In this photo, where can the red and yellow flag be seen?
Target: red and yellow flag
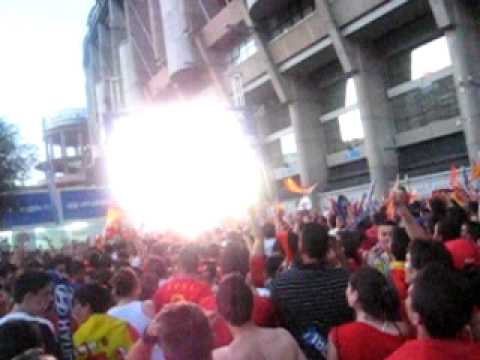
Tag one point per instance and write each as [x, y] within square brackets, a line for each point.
[476, 171]
[293, 187]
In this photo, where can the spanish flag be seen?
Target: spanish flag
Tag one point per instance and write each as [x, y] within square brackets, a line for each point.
[293, 187]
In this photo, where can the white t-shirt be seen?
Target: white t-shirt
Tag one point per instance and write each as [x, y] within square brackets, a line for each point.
[133, 314]
[268, 246]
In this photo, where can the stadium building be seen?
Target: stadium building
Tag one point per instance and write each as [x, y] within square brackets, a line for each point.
[336, 92]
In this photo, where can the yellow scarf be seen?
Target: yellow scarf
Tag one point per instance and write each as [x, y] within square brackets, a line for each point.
[102, 337]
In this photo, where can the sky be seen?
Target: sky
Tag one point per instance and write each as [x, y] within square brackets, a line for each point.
[41, 61]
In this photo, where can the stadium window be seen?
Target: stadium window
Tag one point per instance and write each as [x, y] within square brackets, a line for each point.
[350, 123]
[430, 58]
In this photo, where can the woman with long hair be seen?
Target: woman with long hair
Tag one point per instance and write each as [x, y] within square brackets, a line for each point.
[376, 331]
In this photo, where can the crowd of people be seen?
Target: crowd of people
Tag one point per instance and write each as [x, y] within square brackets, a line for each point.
[383, 285]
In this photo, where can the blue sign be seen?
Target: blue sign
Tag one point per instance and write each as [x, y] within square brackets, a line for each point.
[84, 204]
[29, 209]
[36, 208]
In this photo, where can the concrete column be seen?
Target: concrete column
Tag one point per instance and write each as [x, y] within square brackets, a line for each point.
[309, 136]
[63, 148]
[377, 119]
[462, 29]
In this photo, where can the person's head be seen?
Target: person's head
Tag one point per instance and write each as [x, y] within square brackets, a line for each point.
[385, 235]
[473, 209]
[423, 252]
[17, 337]
[62, 265]
[33, 291]
[235, 258]
[126, 284]
[156, 266]
[184, 332]
[272, 265]
[268, 230]
[314, 241]
[369, 291]
[90, 299]
[399, 245]
[235, 300]
[447, 229]
[350, 242]
[189, 260]
[471, 231]
[439, 302]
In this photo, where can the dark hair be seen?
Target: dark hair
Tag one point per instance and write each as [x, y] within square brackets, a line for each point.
[125, 282]
[350, 241]
[18, 336]
[292, 242]
[379, 217]
[235, 258]
[272, 264]
[473, 207]
[441, 297]
[189, 259]
[473, 229]
[62, 260]
[185, 333]
[424, 252]
[376, 294]
[268, 230]
[235, 300]
[449, 229]
[29, 282]
[400, 241]
[96, 296]
[315, 240]
[149, 284]
[156, 266]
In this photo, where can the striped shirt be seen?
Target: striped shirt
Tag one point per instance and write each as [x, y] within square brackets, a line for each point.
[311, 298]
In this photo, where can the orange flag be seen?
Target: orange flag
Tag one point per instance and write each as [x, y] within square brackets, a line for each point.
[476, 171]
[293, 187]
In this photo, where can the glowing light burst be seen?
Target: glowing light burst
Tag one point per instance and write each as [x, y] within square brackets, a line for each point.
[182, 167]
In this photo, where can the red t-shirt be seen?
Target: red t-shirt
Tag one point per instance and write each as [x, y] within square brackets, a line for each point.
[257, 270]
[181, 288]
[464, 252]
[360, 341]
[431, 349]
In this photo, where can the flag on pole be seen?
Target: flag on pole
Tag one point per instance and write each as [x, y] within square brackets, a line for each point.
[293, 187]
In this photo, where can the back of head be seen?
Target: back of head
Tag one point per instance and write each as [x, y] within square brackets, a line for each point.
[268, 230]
[125, 283]
[315, 241]
[377, 296]
[235, 258]
[189, 259]
[449, 228]
[442, 299]
[235, 300]
[350, 241]
[185, 333]
[423, 252]
[29, 282]
[155, 266]
[18, 336]
[400, 241]
[96, 296]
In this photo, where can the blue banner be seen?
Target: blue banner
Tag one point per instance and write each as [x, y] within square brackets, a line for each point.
[84, 204]
[36, 208]
[29, 209]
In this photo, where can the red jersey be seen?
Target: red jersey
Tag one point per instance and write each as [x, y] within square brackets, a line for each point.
[257, 270]
[464, 252]
[360, 341]
[429, 349]
[181, 288]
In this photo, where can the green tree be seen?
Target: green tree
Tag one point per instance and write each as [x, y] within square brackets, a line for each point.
[16, 161]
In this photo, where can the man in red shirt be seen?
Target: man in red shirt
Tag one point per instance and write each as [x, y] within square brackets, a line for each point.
[186, 285]
[439, 306]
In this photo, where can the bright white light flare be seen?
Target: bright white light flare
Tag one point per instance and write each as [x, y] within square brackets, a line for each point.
[183, 167]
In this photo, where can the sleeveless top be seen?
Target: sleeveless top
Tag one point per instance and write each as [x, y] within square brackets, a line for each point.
[360, 341]
[133, 314]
